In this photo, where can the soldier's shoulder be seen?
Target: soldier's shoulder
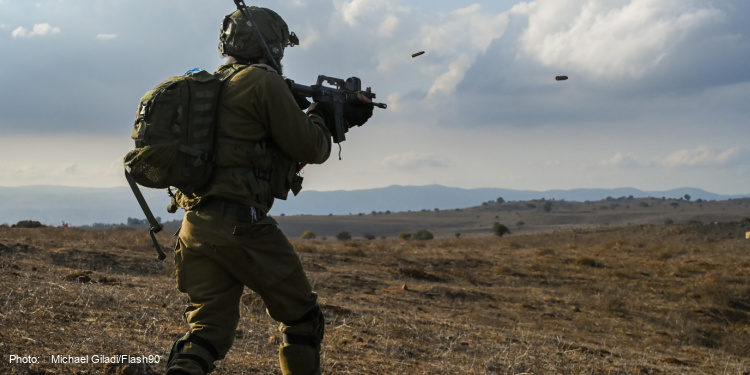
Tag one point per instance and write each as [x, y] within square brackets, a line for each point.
[266, 67]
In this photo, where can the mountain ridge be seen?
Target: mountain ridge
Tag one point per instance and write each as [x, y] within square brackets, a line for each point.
[53, 205]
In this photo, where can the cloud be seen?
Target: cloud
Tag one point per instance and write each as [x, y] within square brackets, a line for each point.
[703, 156]
[611, 37]
[37, 172]
[413, 160]
[389, 25]
[627, 60]
[469, 28]
[40, 29]
[621, 159]
[106, 36]
[446, 83]
[353, 11]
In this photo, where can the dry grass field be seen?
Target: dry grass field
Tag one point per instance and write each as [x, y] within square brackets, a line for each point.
[522, 217]
[631, 299]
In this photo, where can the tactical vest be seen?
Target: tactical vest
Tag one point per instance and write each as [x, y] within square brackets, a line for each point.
[242, 166]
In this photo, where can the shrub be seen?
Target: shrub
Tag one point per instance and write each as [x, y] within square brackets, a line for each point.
[344, 236]
[404, 235]
[308, 235]
[500, 229]
[547, 207]
[27, 224]
[369, 236]
[423, 235]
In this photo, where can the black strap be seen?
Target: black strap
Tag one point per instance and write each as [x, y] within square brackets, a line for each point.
[155, 226]
[294, 339]
[203, 343]
[310, 315]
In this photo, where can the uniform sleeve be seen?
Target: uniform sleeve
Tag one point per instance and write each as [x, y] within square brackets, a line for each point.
[301, 137]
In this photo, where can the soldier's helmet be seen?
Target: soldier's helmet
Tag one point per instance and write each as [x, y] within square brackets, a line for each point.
[238, 39]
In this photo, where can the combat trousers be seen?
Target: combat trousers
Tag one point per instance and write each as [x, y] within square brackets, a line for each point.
[216, 256]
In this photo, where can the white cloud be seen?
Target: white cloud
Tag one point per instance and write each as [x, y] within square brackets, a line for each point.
[451, 42]
[308, 39]
[106, 36]
[470, 28]
[702, 156]
[621, 159]
[352, 11]
[446, 83]
[610, 36]
[412, 160]
[62, 159]
[388, 26]
[394, 101]
[40, 29]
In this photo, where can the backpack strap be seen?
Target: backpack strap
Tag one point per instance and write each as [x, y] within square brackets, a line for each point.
[155, 226]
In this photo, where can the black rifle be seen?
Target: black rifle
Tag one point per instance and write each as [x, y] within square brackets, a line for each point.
[346, 91]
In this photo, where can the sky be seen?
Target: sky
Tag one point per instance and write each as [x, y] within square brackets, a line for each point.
[657, 96]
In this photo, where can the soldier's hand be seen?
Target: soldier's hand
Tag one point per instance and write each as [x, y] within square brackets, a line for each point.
[301, 100]
[327, 112]
[358, 112]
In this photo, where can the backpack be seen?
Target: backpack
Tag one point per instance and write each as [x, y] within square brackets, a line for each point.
[174, 134]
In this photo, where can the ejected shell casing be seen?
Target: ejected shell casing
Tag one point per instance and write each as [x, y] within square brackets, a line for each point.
[420, 53]
[561, 78]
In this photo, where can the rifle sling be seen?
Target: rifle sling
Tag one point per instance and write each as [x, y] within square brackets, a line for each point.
[155, 226]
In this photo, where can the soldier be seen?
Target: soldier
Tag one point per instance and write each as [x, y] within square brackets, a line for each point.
[227, 241]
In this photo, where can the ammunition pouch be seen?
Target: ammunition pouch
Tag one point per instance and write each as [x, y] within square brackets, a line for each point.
[284, 176]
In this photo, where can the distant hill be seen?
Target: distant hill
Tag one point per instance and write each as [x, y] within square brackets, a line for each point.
[404, 198]
[85, 206]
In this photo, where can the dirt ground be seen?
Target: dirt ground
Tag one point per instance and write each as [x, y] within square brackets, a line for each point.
[632, 299]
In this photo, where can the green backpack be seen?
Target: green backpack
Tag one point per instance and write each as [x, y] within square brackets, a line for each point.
[174, 134]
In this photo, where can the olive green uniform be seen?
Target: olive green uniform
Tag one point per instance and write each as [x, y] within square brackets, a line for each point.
[227, 242]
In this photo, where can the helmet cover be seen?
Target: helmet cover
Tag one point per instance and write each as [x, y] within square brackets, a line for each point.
[238, 39]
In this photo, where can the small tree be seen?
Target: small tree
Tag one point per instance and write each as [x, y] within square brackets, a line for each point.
[308, 235]
[423, 235]
[404, 236]
[369, 236]
[344, 236]
[547, 207]
[500, 229]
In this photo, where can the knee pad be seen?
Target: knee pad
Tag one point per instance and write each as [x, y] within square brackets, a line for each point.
[299, 354]
[307, 330]
[200, 355]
